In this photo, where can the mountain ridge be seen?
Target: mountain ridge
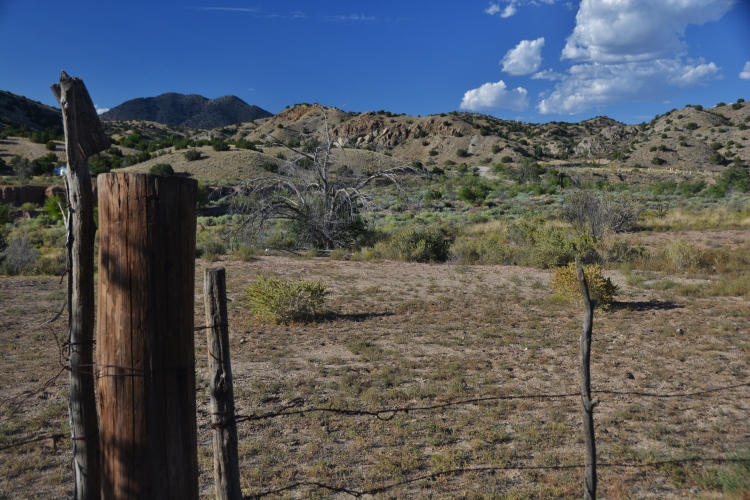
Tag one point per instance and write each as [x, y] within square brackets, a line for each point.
[186, 110]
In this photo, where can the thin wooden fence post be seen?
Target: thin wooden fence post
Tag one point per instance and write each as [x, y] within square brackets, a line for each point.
[226, 462]
[145, 332]
[587, 404]
[84, 136]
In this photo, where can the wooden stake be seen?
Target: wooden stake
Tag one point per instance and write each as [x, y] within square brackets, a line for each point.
[145, 331]
[587, 404]
[83, 136]
[226, 463]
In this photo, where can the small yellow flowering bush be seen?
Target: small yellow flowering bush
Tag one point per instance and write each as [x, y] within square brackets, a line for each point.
[276, 300]
[565, 284]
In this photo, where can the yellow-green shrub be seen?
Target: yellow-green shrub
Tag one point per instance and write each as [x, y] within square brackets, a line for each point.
[276, 300]
[565, 284]
[488, 248]
[684, 255]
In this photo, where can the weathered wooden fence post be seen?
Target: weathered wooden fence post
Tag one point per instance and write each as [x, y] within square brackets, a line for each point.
[226, 462]
[84, 136]
[587, 404]
[145, 332]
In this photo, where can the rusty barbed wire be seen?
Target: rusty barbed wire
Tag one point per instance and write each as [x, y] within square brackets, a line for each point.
[295, 406]
[455, 472]
[54, 437]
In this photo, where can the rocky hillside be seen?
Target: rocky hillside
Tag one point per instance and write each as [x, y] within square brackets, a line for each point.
[186, 111]
[681, 141]
[19, 112]
[687, 139]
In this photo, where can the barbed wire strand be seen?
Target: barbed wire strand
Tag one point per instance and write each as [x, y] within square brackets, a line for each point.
[294, 407]
[54, 437]
[456, 472]
[29, 394]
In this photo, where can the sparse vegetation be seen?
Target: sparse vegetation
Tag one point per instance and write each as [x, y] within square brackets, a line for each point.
[463, 308]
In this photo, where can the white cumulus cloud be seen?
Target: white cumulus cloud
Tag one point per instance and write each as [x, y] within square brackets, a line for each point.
[525, 58]
[631, 50]
[590, 85]
[495, 96]
[617, 31]
[745, 74]
[99, 110]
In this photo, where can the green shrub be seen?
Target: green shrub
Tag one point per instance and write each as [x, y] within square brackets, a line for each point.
[193, 154]
[462, 153]
[474, 192]
[421, 244]
[736, 177]
[52, 207]
[276, 300]
[691, 126]
[620, 251]
[246, 253]
[269, 166]
[219, 145]
[54, 265]
[546, 247]
[161, 169]
[566, 285]
[716, 158]
[214, 247]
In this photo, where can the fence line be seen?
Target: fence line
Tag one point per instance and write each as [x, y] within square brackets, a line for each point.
[456, 472]
[294, 407]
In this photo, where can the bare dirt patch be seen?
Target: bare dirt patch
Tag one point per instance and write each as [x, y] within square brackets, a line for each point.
[412, 335]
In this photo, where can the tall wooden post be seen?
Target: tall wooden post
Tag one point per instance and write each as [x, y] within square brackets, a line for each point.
[226, 463]
[588, 405]
[145, 329]
[84, 136]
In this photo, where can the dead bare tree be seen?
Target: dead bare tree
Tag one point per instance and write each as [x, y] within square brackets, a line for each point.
[84, 136]
[600, 215]
[322, 201]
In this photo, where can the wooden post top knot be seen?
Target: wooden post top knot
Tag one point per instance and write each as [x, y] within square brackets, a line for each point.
[71, 91]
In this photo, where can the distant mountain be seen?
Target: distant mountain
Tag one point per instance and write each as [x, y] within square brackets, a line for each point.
[187, 111]
[18, 112]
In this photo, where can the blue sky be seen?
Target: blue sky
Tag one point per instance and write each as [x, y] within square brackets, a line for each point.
[530, 60]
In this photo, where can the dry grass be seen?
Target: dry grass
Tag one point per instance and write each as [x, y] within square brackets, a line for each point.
[404, 334]
[239, 165]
